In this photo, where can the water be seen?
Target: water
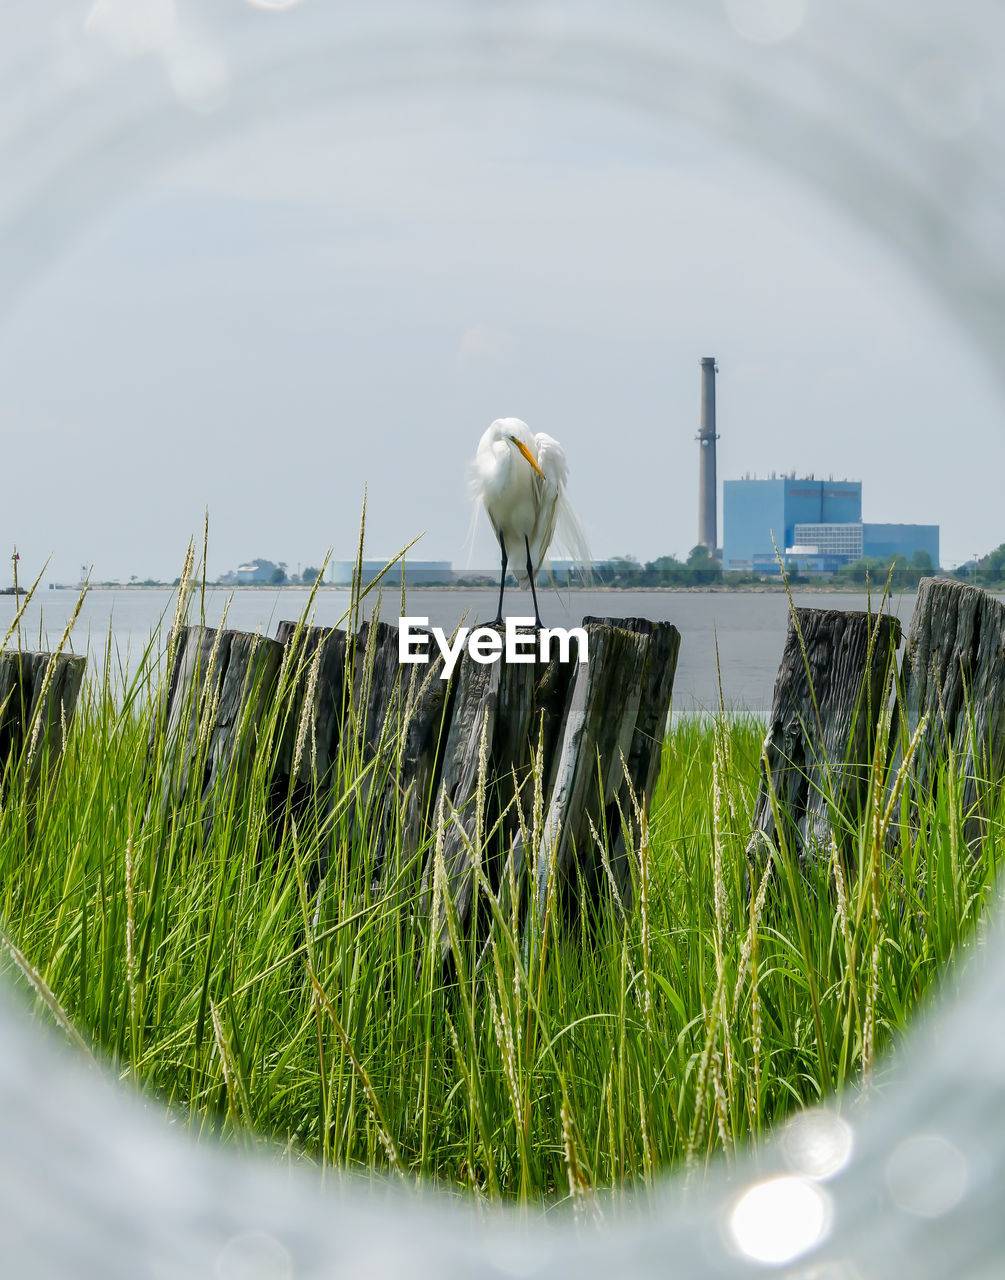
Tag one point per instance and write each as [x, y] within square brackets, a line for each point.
[748, 626]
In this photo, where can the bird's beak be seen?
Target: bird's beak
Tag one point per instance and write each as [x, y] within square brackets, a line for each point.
[528, 455]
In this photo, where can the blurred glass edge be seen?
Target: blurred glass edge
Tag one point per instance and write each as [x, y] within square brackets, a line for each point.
[894, 112]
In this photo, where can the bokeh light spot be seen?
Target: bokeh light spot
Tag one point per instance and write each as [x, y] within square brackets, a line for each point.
[927, 1175]
[779, 1219]
[817, 1144]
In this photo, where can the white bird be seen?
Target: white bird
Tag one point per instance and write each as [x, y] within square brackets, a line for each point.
[520, 479]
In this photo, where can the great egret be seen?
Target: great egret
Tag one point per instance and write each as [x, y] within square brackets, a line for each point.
[520, 479]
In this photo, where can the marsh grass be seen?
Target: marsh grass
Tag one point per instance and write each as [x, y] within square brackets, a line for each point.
[247, 972]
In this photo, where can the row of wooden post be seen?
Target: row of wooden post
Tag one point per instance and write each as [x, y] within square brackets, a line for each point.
[469, 752]
[835, 729]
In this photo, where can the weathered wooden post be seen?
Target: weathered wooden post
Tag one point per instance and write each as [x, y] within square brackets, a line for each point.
[314, 679]
[375, 754]
[370, 720]
[599, 727]
[634, 793]
[311, 732]
[602, 760]
[373, 708]
[219, 692]
[494, 705]
[832, 687]
[415, 729]
[596, 735]
[953, 678]
[38, 696]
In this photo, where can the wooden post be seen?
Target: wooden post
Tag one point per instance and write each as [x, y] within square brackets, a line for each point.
[634, 792]
[599, 727]
[314, 667]
[321, 659]
[821, 731]
[38, 696]
[367, 712]
[418, 729]
[371, 738]
[494, 705]
[221, 683]
[953, 676]
[422, 746]
[598, 731]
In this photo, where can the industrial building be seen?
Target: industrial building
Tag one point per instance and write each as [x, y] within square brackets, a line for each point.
[417, 572]
[816, 525]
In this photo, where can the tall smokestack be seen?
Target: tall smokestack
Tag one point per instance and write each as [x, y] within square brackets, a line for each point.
[707, 515]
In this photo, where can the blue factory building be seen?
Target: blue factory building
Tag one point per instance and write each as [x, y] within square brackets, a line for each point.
[816, 525]
[884, 540]
[754, 511]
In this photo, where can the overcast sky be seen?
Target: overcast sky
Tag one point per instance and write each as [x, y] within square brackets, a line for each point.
[347, 299]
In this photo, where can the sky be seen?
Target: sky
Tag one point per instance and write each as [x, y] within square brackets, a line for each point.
[343, 299]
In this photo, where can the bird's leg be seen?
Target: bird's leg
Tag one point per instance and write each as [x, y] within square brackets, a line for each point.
[502, 581]
[530, 574]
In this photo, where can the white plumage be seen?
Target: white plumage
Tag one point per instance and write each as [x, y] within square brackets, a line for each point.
[520, 478]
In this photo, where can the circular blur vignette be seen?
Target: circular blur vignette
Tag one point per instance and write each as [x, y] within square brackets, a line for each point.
[890, 111]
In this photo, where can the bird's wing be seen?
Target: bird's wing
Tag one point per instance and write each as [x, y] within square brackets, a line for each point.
[551, 459]
[556, 521]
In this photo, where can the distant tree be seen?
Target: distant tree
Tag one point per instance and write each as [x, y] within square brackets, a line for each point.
[620, 571]
[703, 566]
[922, 561]
[988, 570]
[865, 567]
[666, 571]
[278, 576]
[310, 576]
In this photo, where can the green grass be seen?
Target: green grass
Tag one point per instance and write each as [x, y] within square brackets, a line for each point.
[570, 1059]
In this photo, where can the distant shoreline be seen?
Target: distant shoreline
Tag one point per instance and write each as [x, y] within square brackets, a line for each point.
[714, 588]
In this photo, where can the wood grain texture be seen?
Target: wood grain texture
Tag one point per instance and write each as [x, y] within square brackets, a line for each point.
[635, 791]
[422, 717]
[318, 659]
[373, 752]
[493, 707]
[598, 728]
[220, 688]
[38, 697]
[953, 677]
[313, 683]
[372, 719]
[825, 710]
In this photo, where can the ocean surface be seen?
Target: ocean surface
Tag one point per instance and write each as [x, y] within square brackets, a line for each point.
[747, 626]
